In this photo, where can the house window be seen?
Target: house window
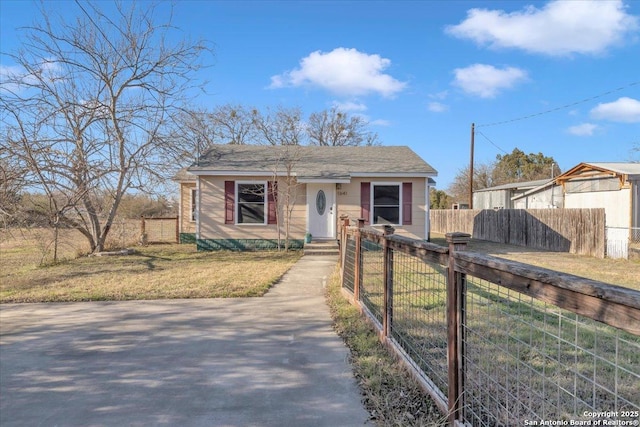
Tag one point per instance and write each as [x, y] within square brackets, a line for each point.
[193, 204]
[386, 204]
[251, 202]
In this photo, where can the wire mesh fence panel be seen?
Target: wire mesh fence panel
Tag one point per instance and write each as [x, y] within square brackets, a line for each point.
[419, 324]
[160, 230]
[349, 264]
[528, 360]
[372, 280]
[123, 233]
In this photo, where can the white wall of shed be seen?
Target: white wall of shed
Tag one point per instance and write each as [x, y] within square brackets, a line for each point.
[616, 204]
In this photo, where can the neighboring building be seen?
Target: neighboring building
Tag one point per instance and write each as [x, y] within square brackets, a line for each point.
[614, 187]
[237, 193]
[545, 196]
[187, 209]
[504, 196]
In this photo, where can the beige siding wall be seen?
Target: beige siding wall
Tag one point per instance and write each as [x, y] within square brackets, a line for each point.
[186, 225]
[348, 203]
[212, 212]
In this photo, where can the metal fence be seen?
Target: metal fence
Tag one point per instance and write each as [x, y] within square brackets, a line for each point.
[160, 230]
[496, 342]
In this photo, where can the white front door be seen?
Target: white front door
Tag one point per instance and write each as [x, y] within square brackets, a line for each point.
[321, 207]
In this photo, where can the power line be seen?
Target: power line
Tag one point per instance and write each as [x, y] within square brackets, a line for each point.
[490, 141]
[559, 108]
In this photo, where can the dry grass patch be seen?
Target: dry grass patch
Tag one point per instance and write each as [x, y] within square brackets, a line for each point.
[390, 394]
[614, 271]
[153, 272]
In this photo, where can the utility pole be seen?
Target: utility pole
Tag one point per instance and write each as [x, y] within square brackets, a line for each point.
[473, 132]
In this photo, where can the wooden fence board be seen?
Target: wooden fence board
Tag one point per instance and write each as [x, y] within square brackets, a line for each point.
[578, 231]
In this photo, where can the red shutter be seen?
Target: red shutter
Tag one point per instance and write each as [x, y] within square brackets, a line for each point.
[229, 201]
[406, 203]
[272, 188]
[365, 201]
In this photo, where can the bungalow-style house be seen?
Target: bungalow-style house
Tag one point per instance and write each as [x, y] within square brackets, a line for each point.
[238, 196]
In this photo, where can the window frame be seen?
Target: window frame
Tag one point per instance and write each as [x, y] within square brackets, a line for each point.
[373, 205]
[265, 203]
[193, 204]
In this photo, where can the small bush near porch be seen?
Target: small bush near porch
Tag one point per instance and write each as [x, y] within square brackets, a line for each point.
[152, 272]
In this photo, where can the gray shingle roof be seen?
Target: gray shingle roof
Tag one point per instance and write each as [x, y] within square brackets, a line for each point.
[313, 162]
[184, 176]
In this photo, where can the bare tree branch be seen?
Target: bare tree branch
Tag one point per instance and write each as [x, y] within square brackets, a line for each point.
[91, 111]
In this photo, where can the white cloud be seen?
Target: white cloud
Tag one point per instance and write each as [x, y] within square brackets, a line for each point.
[626, 110]
[9, 74]
[440, 95]
[16, 79]
[342, 71]
[584, 129]
[349, 106]
[486, 81]
[559, 28]
[437, 107]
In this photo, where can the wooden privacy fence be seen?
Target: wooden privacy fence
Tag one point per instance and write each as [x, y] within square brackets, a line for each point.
[497, 342]
[159, 230]
[577, 231]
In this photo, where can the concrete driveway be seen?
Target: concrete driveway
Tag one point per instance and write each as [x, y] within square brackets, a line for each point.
[271, 361]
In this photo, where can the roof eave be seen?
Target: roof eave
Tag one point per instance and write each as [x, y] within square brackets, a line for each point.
[393, 174]
[205, 172]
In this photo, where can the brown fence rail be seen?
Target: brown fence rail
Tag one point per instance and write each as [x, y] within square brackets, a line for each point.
[160, 230]
[497, 342]
[578, 231]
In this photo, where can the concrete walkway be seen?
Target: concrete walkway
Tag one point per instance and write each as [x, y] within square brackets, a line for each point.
[270, 361]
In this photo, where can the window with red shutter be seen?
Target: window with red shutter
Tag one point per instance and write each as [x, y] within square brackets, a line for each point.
[365, 201]
[406, 203]
[229, 201]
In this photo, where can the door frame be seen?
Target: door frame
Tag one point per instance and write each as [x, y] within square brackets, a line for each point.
[312, 189]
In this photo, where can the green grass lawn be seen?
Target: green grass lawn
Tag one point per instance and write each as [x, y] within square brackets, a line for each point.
[152, 272]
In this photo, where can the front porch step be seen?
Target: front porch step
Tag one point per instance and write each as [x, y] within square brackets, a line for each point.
[317, 247]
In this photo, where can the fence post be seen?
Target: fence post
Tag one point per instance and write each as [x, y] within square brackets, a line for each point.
[357, 268]
[387, 309]
[455, 322]
[343, 247]
[344, 221]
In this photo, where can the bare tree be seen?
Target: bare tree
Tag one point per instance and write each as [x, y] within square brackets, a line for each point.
[233, 124]
[91, 111]
[11, 184]
[335, 128]
[283, 129]
[286, 188]
[459, 188]
[193, 133]
[280, 127]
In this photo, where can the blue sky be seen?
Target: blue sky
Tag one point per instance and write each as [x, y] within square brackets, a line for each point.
[422, 71]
